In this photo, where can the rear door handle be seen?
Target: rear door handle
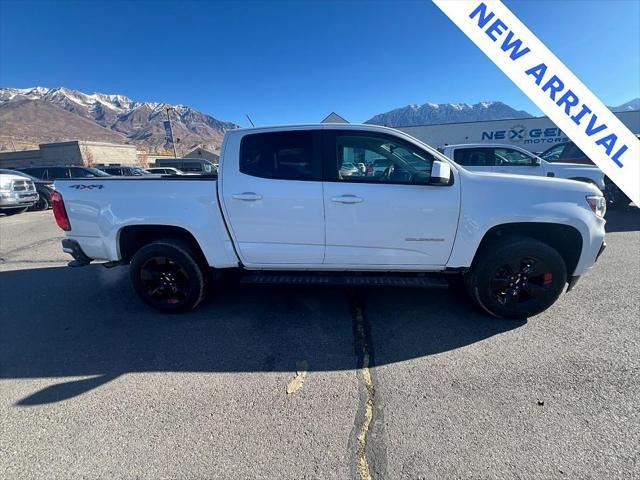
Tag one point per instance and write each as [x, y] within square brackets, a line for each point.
[347, 199]
[247, 196]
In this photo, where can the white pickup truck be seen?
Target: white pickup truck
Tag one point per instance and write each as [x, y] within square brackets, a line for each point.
[496, 158]
[282, 209]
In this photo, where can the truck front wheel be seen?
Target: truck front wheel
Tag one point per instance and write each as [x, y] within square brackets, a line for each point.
[516, 278]
[167, 276]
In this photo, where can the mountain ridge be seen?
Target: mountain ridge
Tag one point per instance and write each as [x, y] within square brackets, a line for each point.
[138, 123]
[437, 113]
[442, 113]
[75, 115]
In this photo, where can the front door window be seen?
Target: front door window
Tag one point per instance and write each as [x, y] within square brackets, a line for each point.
[371, 158]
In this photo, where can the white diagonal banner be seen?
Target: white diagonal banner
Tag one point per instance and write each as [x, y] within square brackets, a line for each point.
[552, 87]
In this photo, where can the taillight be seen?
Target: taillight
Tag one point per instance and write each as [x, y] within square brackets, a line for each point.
[59, 212]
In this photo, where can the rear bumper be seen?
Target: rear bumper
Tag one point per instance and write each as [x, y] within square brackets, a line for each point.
[73, 248]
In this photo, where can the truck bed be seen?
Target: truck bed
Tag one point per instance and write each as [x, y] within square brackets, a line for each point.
[101, 208]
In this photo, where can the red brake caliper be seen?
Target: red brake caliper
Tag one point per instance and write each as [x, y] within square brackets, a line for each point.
[547, 279]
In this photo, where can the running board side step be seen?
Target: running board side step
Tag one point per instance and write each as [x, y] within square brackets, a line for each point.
[350, 280]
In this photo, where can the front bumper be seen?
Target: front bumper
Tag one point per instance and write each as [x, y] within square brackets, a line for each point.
[573, 281]
[17, 200]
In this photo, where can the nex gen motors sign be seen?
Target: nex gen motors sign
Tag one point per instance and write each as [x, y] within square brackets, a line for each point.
[526, 136]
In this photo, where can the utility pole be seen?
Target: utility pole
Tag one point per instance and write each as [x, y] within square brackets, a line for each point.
[173, 140]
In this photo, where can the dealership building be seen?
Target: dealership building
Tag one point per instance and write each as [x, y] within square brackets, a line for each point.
[71, 153]
[533, 134]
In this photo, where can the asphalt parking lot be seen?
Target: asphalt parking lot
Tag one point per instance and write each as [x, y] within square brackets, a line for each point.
[95, 385]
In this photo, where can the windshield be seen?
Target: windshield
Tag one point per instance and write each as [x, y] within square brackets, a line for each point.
[96, 173]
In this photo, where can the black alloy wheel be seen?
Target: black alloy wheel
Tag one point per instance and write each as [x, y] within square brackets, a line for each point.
[516, 277]
[521, 280]
[164, 280]
[168, 276]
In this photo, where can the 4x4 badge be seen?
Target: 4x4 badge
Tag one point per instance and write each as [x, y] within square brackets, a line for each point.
[92, 186]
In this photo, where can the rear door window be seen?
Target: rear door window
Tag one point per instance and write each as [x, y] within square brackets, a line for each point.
[54, 173]
[193, 167]
[512, 158]
[553, 154]
[79, 173]
[281, 155]
[572, 152]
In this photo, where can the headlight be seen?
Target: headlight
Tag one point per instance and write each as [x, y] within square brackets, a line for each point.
[5, 185]
[597, 204]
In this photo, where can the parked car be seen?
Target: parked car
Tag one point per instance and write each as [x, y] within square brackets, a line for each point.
[188, 165]
[497, 158]
[380, 166]
[164, 171]
[569, 152]
[17, 193]
[349, 169]
[59, 172]
[124, 170]
[43, 187]
[279, 211]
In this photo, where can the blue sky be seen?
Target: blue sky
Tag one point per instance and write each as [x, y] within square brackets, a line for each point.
[289, 62]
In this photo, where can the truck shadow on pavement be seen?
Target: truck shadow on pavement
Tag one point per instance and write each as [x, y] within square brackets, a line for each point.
[65, 322]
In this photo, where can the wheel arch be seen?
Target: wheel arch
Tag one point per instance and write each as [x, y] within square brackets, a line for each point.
[563, 238]
[132, 238]
[585, 180]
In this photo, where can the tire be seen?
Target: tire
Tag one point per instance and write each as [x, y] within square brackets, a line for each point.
[615, 197]
[14, 211]
[516, 278]
[42, 204]
[167, 276]
[456, 282]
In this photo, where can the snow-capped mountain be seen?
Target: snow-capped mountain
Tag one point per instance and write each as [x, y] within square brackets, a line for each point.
[434, 113]
[136, 122]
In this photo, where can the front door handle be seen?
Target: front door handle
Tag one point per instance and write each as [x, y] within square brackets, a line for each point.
[247, 196]
[347, 199]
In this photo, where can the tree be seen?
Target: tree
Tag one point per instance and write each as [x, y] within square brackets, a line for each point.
[87, 156]
[143, 158]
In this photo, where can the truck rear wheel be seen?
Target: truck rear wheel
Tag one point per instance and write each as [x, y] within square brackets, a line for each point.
[167, 276]
[517, 278]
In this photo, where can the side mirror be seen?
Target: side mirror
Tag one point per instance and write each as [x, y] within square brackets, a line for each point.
[536, 161]
[440, 173]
